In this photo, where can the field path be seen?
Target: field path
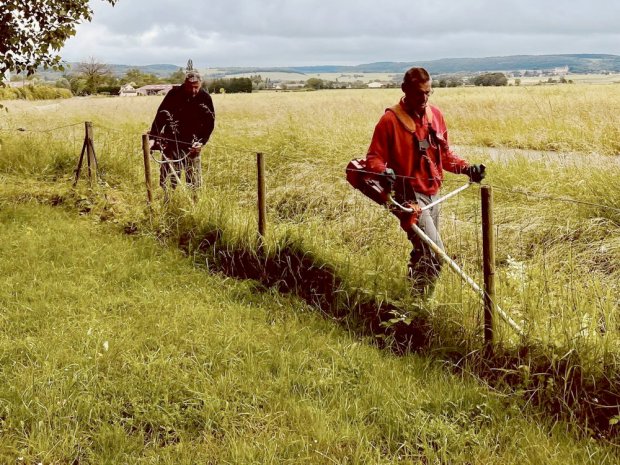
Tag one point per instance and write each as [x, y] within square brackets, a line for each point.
[563, 159]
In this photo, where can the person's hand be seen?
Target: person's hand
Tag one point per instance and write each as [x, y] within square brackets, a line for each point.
[154, 142]
[387, 179]
[195, 149]
[476, 173]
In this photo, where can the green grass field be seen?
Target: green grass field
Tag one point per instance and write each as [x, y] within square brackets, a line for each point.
[115, 350]
[551, 158]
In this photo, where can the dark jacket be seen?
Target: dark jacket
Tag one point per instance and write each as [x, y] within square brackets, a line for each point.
[182, 120]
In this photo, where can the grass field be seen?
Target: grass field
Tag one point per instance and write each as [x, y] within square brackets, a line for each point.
[556, 214]
[115, 350]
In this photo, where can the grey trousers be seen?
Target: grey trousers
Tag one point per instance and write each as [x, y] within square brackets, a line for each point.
[424, 265]
[172, 171]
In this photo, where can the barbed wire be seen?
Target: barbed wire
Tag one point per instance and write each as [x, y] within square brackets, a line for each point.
[555, 199]
[280, 157]
[322, 172]
[21, 129]
[118, 131]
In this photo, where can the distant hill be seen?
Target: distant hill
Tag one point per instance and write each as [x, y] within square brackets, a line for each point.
[158, 70]
[577, 63]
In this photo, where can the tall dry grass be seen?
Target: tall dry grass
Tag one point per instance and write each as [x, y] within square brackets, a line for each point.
[558, 259]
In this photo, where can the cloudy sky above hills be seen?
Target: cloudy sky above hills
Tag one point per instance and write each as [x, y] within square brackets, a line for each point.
[344, 32]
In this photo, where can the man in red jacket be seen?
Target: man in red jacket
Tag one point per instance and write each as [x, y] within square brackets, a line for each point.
[410, 148]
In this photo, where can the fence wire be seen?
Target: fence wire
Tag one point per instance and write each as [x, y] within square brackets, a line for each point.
[554, 289]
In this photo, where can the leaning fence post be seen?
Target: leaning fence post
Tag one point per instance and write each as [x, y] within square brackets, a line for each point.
[146, 152]
[90, 154]
[262, 221]
[488, 262]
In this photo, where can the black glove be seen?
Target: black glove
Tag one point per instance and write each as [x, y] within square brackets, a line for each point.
[387, 179]
[476, 173]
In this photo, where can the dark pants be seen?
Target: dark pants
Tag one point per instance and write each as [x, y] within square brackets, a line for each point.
[171, 169]
[424, 265]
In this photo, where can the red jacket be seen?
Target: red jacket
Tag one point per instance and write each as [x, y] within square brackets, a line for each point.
[393, 146]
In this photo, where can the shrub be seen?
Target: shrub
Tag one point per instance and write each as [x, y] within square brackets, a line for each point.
[490, 79]
[110, 90]
[232, 86]
[34, 93]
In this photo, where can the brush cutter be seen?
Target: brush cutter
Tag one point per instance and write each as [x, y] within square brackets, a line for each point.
[444, 256]
[369, 183]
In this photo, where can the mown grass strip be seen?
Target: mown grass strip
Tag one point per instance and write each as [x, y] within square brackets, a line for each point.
[114, 350]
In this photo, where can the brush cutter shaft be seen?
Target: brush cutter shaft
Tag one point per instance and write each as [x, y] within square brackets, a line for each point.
[447, 196]
[432, 204]
[435, 248]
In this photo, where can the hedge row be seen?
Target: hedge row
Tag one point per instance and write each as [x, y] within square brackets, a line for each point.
[33, 93]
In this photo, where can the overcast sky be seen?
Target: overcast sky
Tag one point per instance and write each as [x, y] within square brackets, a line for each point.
[346, 32]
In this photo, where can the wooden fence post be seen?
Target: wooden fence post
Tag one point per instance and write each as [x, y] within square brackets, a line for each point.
[262, 220]
[146, 152]
[488, 263]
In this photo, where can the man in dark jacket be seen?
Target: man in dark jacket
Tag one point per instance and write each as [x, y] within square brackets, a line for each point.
[183, 124]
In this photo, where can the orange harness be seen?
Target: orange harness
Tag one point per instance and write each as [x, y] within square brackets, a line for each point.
[406, 120]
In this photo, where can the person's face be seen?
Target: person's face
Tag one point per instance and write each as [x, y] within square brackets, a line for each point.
[192, 88]
[416, 95]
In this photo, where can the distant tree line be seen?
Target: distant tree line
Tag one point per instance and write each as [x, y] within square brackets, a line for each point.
[33, 93]
[92, 77]
[485, 79]
[449, 82]
[229, 86]
[317, 83]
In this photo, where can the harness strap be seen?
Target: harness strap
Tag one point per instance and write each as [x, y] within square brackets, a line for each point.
[406, 120]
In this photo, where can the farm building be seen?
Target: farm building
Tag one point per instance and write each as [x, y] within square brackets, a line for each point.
[154, 89]
[128, 90]
[376, 85]
[289, 85]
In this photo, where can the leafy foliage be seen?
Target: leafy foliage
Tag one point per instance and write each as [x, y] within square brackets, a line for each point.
[33, 93]
[490, 79]
[139, 78]
[93, 73]
[33, 31]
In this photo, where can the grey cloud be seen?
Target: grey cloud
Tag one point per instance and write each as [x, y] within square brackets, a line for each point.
[312, 18]
[286, 32]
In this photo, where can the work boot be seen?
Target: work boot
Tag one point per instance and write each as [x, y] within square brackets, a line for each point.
[422, 285]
